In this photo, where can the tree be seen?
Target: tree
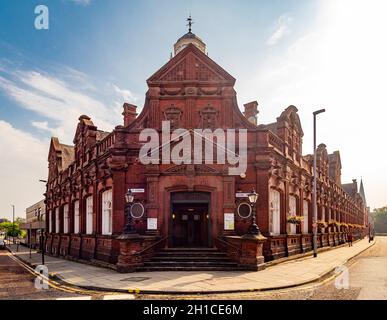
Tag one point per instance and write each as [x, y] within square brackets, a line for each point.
[10, 229]
[380, 216]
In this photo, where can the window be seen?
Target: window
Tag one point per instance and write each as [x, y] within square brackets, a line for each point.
[76, 216]
[66, 218]
[305, 228]
[292, 212]
[274, 215]
[50, 222]
[107, 212]
[57, 220]
[89, 215]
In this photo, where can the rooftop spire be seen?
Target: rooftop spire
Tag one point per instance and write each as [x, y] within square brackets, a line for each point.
[190, 23]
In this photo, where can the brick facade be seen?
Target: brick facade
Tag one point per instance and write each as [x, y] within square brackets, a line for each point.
[192, 91]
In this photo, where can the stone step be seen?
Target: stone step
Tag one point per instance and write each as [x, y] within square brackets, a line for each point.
[190, 258]
[191, 254]
[189, 268]
[189, 263]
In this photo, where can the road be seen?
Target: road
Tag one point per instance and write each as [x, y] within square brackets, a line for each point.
[18, 283]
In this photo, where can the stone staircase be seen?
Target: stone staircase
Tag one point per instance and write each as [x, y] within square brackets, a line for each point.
[190, 259]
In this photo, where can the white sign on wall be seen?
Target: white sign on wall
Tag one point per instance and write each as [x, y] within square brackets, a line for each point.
[152, 223]
[229, 221]
[138, 190]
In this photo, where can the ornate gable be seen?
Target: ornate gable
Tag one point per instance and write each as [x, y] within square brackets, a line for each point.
[190, 64]
[54, 159]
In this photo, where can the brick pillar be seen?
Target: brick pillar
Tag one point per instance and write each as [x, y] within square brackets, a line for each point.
[119, 190]
[129, 113]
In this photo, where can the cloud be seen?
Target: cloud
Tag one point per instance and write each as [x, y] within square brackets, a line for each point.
[81, 2]
[282, 29]
[23, 163]
[63, 100]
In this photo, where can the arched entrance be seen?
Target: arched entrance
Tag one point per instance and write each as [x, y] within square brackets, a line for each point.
[190, 223]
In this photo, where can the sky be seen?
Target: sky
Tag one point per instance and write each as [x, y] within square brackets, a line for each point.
[98, 54]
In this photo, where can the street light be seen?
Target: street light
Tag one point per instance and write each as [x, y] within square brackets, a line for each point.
[315, 113]
[42, 232]
[13, 223]
[253, 229]
[129, 228]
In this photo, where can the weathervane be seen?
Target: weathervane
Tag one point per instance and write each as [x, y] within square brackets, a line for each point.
[190, 23]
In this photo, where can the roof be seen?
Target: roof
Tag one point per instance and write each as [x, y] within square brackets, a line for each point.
[362, 193]
[189, 35]
[67, 155]
[101, 135]
[350, 188]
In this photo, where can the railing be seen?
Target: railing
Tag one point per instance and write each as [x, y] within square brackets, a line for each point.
[153, 245]
[276, 142]
[232, 251]
[104, 144]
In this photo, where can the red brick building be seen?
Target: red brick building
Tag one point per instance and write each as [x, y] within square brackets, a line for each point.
[193, 205]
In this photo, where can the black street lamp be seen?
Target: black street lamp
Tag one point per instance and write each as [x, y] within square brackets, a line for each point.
[253, 229]
[42, 246]
[314, 195]
[129, 228]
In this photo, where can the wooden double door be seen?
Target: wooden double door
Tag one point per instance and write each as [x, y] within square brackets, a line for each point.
[190, 225]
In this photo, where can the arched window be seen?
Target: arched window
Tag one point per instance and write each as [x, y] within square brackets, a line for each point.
[305, 228]
[107, 219]
[66, 218]
[275, 210]
[57, 220]
[292, 212]
[89, 215]
[76, 216]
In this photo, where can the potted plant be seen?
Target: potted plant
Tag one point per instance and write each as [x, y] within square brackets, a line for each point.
[321, 224]
[294, 219]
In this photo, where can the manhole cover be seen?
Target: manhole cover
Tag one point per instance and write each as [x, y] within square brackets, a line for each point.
[135, 279]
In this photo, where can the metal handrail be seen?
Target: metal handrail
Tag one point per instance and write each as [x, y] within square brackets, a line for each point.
[152, 245]
[229, 244]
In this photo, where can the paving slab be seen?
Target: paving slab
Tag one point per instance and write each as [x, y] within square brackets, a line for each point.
[286, 274]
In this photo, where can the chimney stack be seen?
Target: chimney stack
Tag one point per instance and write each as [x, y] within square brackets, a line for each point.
[251, 111]
[129, 113]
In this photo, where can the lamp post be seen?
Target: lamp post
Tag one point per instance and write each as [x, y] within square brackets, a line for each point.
[315, 113]
[129, 228]
[253, 229]
[13, 223]
[42, 231]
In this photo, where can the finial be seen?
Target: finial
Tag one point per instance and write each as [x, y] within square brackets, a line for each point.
[190, 23]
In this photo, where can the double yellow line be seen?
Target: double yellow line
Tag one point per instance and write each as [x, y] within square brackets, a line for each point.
[52, 283]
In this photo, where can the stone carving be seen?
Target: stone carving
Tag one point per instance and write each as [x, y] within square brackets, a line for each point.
[208, 117]
[173, 114]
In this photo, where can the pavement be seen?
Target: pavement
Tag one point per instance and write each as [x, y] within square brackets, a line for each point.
[284, 275]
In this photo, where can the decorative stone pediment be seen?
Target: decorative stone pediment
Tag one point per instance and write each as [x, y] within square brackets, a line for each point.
[173, 114]
[197, 169]
[189, 65]
[209, 118]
